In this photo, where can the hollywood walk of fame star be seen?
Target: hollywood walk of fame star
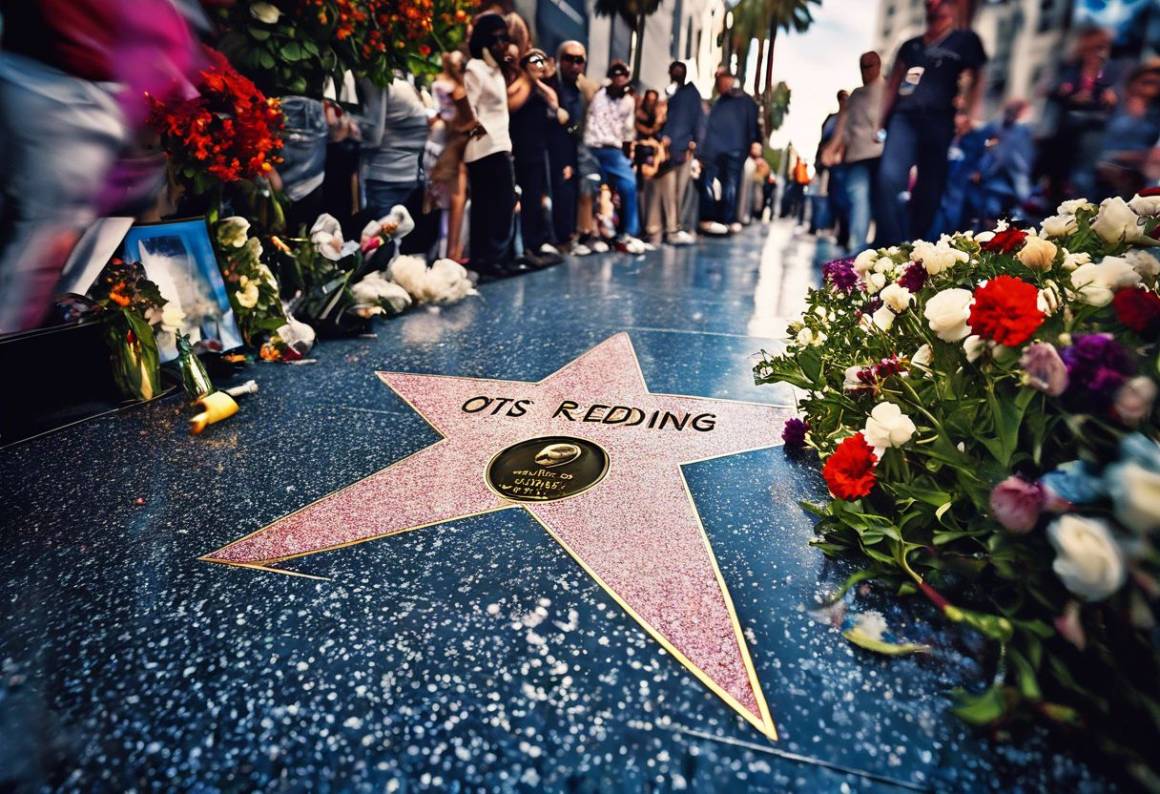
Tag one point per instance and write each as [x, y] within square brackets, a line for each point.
[634, 529]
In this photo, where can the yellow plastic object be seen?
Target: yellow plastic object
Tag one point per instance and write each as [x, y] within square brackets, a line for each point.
[215, 407]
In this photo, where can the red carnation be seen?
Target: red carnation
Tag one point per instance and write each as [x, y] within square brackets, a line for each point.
[1006, 311]
[1006, 241]
[1137, 308]
[849, 472]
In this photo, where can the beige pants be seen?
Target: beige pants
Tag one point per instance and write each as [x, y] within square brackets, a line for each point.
[663, 196]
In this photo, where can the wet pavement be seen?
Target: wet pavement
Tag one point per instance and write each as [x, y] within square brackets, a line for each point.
[474, 655]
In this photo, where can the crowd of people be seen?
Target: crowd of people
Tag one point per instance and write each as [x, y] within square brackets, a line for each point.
[907, 156]
[528, 156]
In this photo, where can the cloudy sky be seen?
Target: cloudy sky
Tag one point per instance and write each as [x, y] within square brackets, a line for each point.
[818, 63]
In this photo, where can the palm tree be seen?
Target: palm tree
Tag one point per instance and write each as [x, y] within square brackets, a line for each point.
[634, 13]
[786, 15]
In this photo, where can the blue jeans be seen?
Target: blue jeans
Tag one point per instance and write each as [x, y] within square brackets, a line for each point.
[859, 185]
[725, 168]
[617, 172]
[383, 196]
[912, 139]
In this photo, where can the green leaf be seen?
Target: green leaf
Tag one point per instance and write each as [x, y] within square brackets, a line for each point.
[980, 709]
[1025, 672]
[258, 34]
[292, 51]
[863, 640]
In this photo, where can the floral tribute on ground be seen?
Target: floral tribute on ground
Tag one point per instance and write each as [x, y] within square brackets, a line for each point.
[988, 434]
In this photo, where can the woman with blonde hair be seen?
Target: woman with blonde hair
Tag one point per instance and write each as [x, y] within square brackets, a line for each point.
[447, 177]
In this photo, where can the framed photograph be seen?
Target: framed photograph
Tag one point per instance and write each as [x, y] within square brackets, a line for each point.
[178, 256]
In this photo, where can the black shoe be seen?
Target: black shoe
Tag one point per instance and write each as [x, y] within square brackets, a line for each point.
[534, 261]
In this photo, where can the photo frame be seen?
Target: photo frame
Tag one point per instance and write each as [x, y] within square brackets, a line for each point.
[179, 257]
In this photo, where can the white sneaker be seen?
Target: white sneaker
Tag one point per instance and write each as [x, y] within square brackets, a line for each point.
[649, 246]
[581, 250]
[600, 247]
[681, 238]
[548, 248]
[735, 227]
[714, 228]
[631, 245]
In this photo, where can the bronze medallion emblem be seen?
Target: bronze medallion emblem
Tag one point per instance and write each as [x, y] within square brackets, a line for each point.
[546, 469]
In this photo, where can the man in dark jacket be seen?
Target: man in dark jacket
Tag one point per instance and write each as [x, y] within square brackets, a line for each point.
[564, 140]
[684, 124]
[731, 128]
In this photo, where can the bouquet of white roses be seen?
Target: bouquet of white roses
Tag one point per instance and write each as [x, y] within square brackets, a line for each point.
[984, 410]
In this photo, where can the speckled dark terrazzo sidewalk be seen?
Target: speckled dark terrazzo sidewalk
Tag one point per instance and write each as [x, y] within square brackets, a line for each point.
[473, 656]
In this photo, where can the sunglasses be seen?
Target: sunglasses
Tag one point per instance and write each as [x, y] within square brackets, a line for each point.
[536, 60]
[572, 58]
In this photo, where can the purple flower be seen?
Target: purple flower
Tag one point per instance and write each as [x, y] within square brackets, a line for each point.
[1015, 503]
[1044, 370]
[794, 434]
[840, 274]
[913, 278]
[1097, 365]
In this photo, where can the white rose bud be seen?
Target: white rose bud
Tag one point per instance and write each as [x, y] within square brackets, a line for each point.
[875, 282]
[922, 358]
[231, 232]
[1143, 262]
[1135, 493]
[1049, 299]
[884, 265]
[1145, 205]
[1116, 222]
[884, 318]
[264, 12]
[1037, 253]
[1097, 283]
[1059, 225]
[887, 426]
[1072, 261]
[864, 262]
[804, 337]
[1074, 205]
[947, 314]
[974, 346]
[1087, 559]
[897, 297]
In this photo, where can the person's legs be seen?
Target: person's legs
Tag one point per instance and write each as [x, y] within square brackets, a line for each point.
[564, 193]
[684, 174]
[730, 166]
[899, 154]
[617, 171]
[457, 203]
[858, 185]
[492, 205]
[661, 200]
[532, 175]
[932, 164]
[710, 204]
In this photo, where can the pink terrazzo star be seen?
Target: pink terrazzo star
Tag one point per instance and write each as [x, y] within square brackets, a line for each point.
[637, 531]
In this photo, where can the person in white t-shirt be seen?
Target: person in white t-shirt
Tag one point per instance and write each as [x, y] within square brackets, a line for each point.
[489, 149]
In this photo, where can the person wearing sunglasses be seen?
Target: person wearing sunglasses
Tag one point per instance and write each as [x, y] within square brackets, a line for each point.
[489, 149]
[609, 135]
[534, 107]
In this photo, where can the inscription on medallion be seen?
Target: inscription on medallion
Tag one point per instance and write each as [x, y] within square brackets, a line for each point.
[546, 469]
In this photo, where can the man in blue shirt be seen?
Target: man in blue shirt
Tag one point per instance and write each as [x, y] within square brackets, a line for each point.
[731, 128]
[918, 113]
[683, 125]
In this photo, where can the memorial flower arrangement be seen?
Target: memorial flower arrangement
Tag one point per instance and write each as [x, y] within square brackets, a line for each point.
[229, 132]
[292, 46]
[253, 290]
[984, 411]
[131, 307]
